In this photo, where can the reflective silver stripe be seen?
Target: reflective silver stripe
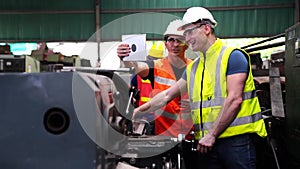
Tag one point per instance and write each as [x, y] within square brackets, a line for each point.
[207, 103]
[164, 81]
[218, 92]
[166, 114]
[219, 101]
[193, 72]
[247, 119]
[249, 95]
[237, 122]
[184, 116]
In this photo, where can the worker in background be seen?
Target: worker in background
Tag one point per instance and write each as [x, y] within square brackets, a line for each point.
[174, 118]
[144, 86]
[225, 110]
[170, 121]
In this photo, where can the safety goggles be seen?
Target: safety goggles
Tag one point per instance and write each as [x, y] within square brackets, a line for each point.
[173, 40]
[191, 31]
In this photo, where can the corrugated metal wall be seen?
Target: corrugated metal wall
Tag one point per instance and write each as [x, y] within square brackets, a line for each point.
[46, 20]
[248, 18]
[69, 20]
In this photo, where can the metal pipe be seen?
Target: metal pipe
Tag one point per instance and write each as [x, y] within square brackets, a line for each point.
[98, 36]
[95, 70]
[266, 40]
[265, 47]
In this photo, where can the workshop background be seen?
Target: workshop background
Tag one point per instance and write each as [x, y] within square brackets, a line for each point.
[53, 53]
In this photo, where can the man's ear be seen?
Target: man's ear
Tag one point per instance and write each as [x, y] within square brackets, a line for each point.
[207, 29]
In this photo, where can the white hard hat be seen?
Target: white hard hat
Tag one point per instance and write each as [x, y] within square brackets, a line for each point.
[194, 14]
[172, 28]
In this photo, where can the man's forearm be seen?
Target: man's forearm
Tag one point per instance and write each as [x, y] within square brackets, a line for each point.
[161, 99]
[155, 103]
[231, 105]
[140, 68]
[226, 116]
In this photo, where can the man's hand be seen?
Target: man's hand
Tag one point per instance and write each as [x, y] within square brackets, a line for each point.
[143, 109]
[135, 113]
[185, 106]
[206, 143]
[123, 50]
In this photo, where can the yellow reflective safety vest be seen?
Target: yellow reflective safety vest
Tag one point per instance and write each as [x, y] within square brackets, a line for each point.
[249, 118]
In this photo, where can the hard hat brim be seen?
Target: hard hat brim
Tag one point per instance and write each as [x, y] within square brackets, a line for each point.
[182, 28]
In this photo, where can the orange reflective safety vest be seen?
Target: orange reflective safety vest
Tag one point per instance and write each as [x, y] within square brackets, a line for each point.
[170, 120]
[145, 88]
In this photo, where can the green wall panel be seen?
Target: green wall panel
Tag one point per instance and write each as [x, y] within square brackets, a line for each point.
[69, 20]
[47, 27]
[46, 4]
[250, 23]
[144, 4]
[153, 24]
[266, 20]
[47, 20]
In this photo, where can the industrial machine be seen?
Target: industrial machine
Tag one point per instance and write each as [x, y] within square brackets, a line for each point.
[53, 62]
[278, 92]
[11, 63]
[292, 69]
[39, 120]
[136, 150]
[71, 119]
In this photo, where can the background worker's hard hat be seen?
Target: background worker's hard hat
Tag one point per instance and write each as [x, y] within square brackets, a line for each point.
[172, 28]
[194, 14]
[156, 51]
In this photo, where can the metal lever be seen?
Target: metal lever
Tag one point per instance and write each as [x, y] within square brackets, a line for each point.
[129, 101]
